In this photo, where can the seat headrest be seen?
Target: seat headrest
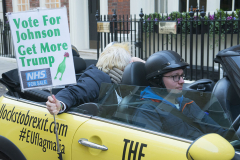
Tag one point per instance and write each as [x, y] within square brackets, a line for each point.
[79, 64]
[135, 74]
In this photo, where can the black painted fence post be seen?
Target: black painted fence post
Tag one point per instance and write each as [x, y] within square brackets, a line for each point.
[141, 34]
[202, 13]
[115, 25]
[98, 34]
[191, 13]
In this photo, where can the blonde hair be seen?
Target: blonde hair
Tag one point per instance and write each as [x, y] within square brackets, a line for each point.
[117, 55]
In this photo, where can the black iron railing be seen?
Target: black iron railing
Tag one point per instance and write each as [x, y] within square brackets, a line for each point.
[199, 37]
[6, 43]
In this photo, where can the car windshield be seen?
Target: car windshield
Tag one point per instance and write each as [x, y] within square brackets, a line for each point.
[184, 114]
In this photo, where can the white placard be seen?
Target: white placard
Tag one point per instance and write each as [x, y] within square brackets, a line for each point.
[43, 48]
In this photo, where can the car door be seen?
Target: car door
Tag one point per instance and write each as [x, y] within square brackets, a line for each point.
[125, 142]
[30, 127]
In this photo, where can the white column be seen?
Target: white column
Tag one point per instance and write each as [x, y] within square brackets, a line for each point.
[212, 6]
[233, 3]
[172, 5]
[79, 22]
[104, 7]
[1, 11]
[136, 5]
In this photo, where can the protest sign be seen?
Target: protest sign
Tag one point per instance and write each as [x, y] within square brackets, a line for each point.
[42, 48]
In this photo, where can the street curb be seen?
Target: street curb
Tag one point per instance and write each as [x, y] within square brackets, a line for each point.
[8, 59]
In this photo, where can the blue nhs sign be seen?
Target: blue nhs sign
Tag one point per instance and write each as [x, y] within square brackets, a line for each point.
[35, 75]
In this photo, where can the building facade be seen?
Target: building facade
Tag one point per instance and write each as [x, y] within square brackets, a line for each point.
[81, 13]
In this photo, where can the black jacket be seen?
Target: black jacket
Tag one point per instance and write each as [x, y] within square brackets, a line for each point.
[87, 87]
[158, 116]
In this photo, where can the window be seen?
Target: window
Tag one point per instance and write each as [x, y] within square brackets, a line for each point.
[237, 5]
[227, 5]
[182, 5]
[20, 5]
[185, 5]
[50, 3]
[161, 110]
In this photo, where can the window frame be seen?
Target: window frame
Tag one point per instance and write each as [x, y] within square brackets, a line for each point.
[15, 5]
[188, 6]
[233, 4]
[43, 3]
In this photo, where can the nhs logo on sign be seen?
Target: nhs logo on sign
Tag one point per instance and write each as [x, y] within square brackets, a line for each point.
[30, 76]
[36, 78]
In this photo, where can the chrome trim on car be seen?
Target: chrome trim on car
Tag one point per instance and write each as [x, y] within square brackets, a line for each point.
[24, 100]
[86, 143]
[79, 114]
[141, 129]
[41, 105]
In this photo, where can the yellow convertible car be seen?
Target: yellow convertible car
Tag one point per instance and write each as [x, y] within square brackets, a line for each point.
[124, 123]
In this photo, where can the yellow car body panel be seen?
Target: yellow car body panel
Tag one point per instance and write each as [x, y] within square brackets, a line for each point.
[31, 128]
[32, 131]
[118, 140]
[213, 146]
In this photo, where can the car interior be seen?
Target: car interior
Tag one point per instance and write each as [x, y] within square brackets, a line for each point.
[133, 75]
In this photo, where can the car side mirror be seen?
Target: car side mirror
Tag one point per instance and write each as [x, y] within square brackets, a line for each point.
[210, 146]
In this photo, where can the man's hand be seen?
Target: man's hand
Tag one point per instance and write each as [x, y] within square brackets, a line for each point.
[136, 59]
[53, 105]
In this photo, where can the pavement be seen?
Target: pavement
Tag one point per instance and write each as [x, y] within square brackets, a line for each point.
[7, 64]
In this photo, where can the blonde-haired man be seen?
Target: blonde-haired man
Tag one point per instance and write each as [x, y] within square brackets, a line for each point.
[114, 59]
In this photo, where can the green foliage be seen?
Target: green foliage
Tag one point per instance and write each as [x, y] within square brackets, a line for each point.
[222, 20]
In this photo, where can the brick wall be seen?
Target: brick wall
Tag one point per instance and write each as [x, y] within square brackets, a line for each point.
[122, 7]
[66, 3]
[34, 3]
[9, 7]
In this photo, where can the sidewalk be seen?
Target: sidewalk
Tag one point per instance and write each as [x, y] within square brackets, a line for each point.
[7, 64]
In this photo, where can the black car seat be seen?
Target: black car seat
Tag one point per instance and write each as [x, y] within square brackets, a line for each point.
[134, 74]
[227, 97]
[202, 85]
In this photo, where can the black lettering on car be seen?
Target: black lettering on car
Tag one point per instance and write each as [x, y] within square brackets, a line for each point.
[27, 136]
[133, 151]
[22, 118]
[1, 111]
[7, 115]
[30, 120]
[12, 113]
[140, 151]
[50, 127]
[45, 125]
[124, 148]
[15, 117]
[34, 121]
[34, 138]
[18, 116]
[63, 128]
[26, 120]
[38, 125]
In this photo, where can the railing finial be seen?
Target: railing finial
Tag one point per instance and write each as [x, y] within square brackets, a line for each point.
[97, 16]
[141, 14]
[114, 15]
